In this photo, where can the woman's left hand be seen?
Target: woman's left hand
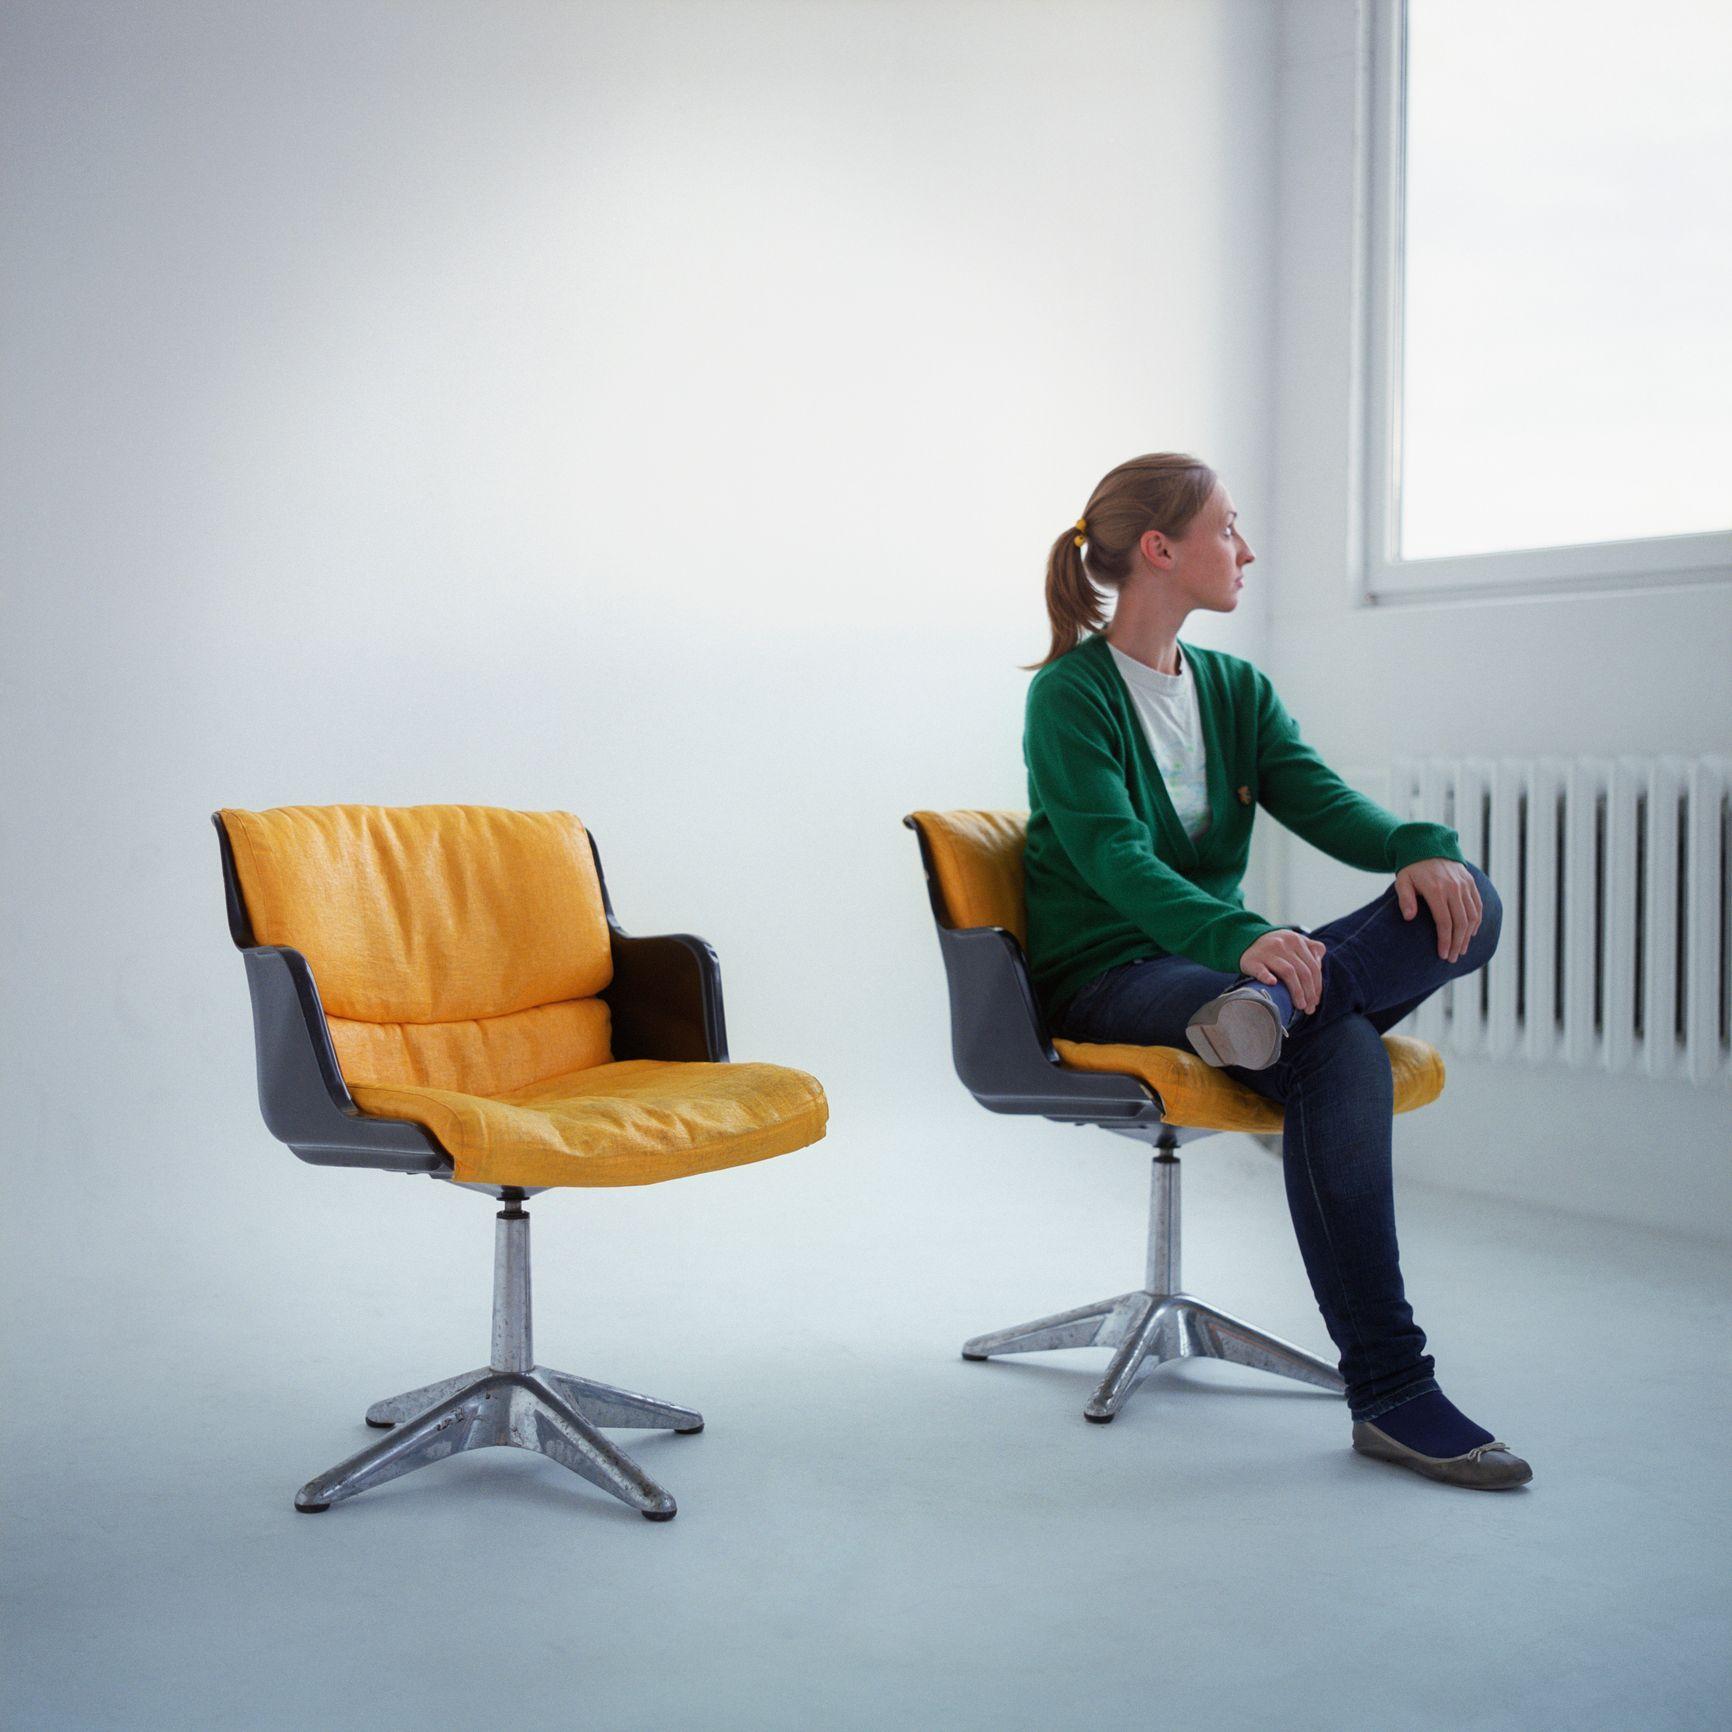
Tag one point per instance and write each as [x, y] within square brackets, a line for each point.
[1451, 895]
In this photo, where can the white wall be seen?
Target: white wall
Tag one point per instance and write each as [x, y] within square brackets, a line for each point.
[1642, 671]
[660, 411]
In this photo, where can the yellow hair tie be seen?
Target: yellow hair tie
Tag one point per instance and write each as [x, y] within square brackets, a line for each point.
[1082, 523]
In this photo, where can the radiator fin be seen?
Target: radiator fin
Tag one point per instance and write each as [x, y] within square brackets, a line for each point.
[1616, 879]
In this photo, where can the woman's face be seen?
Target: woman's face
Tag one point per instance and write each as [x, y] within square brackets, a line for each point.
[1206, 561]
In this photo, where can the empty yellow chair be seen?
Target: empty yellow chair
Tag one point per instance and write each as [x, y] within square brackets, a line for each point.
[443, 990]
[1158, 1095]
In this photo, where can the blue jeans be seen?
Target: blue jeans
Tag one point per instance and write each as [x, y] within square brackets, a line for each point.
[1334, 1081]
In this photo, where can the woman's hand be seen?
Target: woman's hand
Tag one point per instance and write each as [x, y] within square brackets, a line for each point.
[1451, 895]
[1291, 957]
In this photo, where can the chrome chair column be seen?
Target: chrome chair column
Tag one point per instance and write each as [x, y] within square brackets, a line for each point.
[510, 1403]
[1156, 1322]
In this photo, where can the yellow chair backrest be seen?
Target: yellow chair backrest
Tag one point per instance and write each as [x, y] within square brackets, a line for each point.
[977, 860]
[457, 947]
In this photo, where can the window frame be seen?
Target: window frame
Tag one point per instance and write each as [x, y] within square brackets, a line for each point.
[1381, 575]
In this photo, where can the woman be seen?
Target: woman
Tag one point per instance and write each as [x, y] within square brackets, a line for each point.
[1147, 759]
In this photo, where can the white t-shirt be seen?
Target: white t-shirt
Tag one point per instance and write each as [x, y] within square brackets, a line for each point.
[1166, 705]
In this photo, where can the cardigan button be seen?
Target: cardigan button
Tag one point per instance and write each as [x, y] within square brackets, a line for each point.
[1245, 796]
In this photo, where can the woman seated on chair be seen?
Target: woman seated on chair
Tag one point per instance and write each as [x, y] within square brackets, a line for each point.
[1147, 759]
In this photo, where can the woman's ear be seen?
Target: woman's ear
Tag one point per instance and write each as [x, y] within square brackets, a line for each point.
[1156, 549]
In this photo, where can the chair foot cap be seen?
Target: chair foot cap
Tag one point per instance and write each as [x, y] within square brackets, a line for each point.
[383, 1424]
[658, 1515]
[1100, 1418]
[688, 1430]
[309, 1508]
[978, 1358]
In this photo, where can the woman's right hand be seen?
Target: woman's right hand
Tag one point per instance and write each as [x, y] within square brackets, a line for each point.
[1292, 958]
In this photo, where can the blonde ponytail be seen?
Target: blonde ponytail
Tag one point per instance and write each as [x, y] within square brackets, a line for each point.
[1073, 604]
[1162, 491]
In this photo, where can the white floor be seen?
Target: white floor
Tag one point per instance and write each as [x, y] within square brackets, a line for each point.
[872, 1533]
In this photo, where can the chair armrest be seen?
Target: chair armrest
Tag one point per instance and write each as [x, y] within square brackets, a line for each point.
[999, 1040]
[302, 1095]
[666, 998]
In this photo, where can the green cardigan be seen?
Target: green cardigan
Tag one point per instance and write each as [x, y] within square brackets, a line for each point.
[1111, 875]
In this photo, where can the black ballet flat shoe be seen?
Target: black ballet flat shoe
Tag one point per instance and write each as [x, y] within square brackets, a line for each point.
[1486, 1467]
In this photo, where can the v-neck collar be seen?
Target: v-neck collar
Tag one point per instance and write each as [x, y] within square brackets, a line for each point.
[1182, 846]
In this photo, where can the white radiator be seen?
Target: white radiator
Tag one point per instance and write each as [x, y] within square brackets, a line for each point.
[1616, 950]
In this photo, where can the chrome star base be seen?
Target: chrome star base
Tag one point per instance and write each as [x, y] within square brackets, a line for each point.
[510, 1403]
[1156, 1322]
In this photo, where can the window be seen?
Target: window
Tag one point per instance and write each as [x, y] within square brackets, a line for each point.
[1549, 378]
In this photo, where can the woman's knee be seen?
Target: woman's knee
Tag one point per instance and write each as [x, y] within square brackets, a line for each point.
[1483, 944]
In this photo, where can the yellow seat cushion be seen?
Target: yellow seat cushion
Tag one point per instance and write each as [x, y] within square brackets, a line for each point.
[977, 860]
[1193, 1093]
[483, 1056]
[425, 914]
[463, 946]
[636, 1122]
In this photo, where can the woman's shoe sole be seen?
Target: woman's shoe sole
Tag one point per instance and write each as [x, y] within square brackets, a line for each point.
[1238, 1028]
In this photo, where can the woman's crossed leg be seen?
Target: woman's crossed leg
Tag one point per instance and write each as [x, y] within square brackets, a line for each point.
[1333, 1078]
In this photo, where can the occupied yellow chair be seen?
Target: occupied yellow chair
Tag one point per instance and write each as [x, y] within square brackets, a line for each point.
[1156, 1094]
[443, 990]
